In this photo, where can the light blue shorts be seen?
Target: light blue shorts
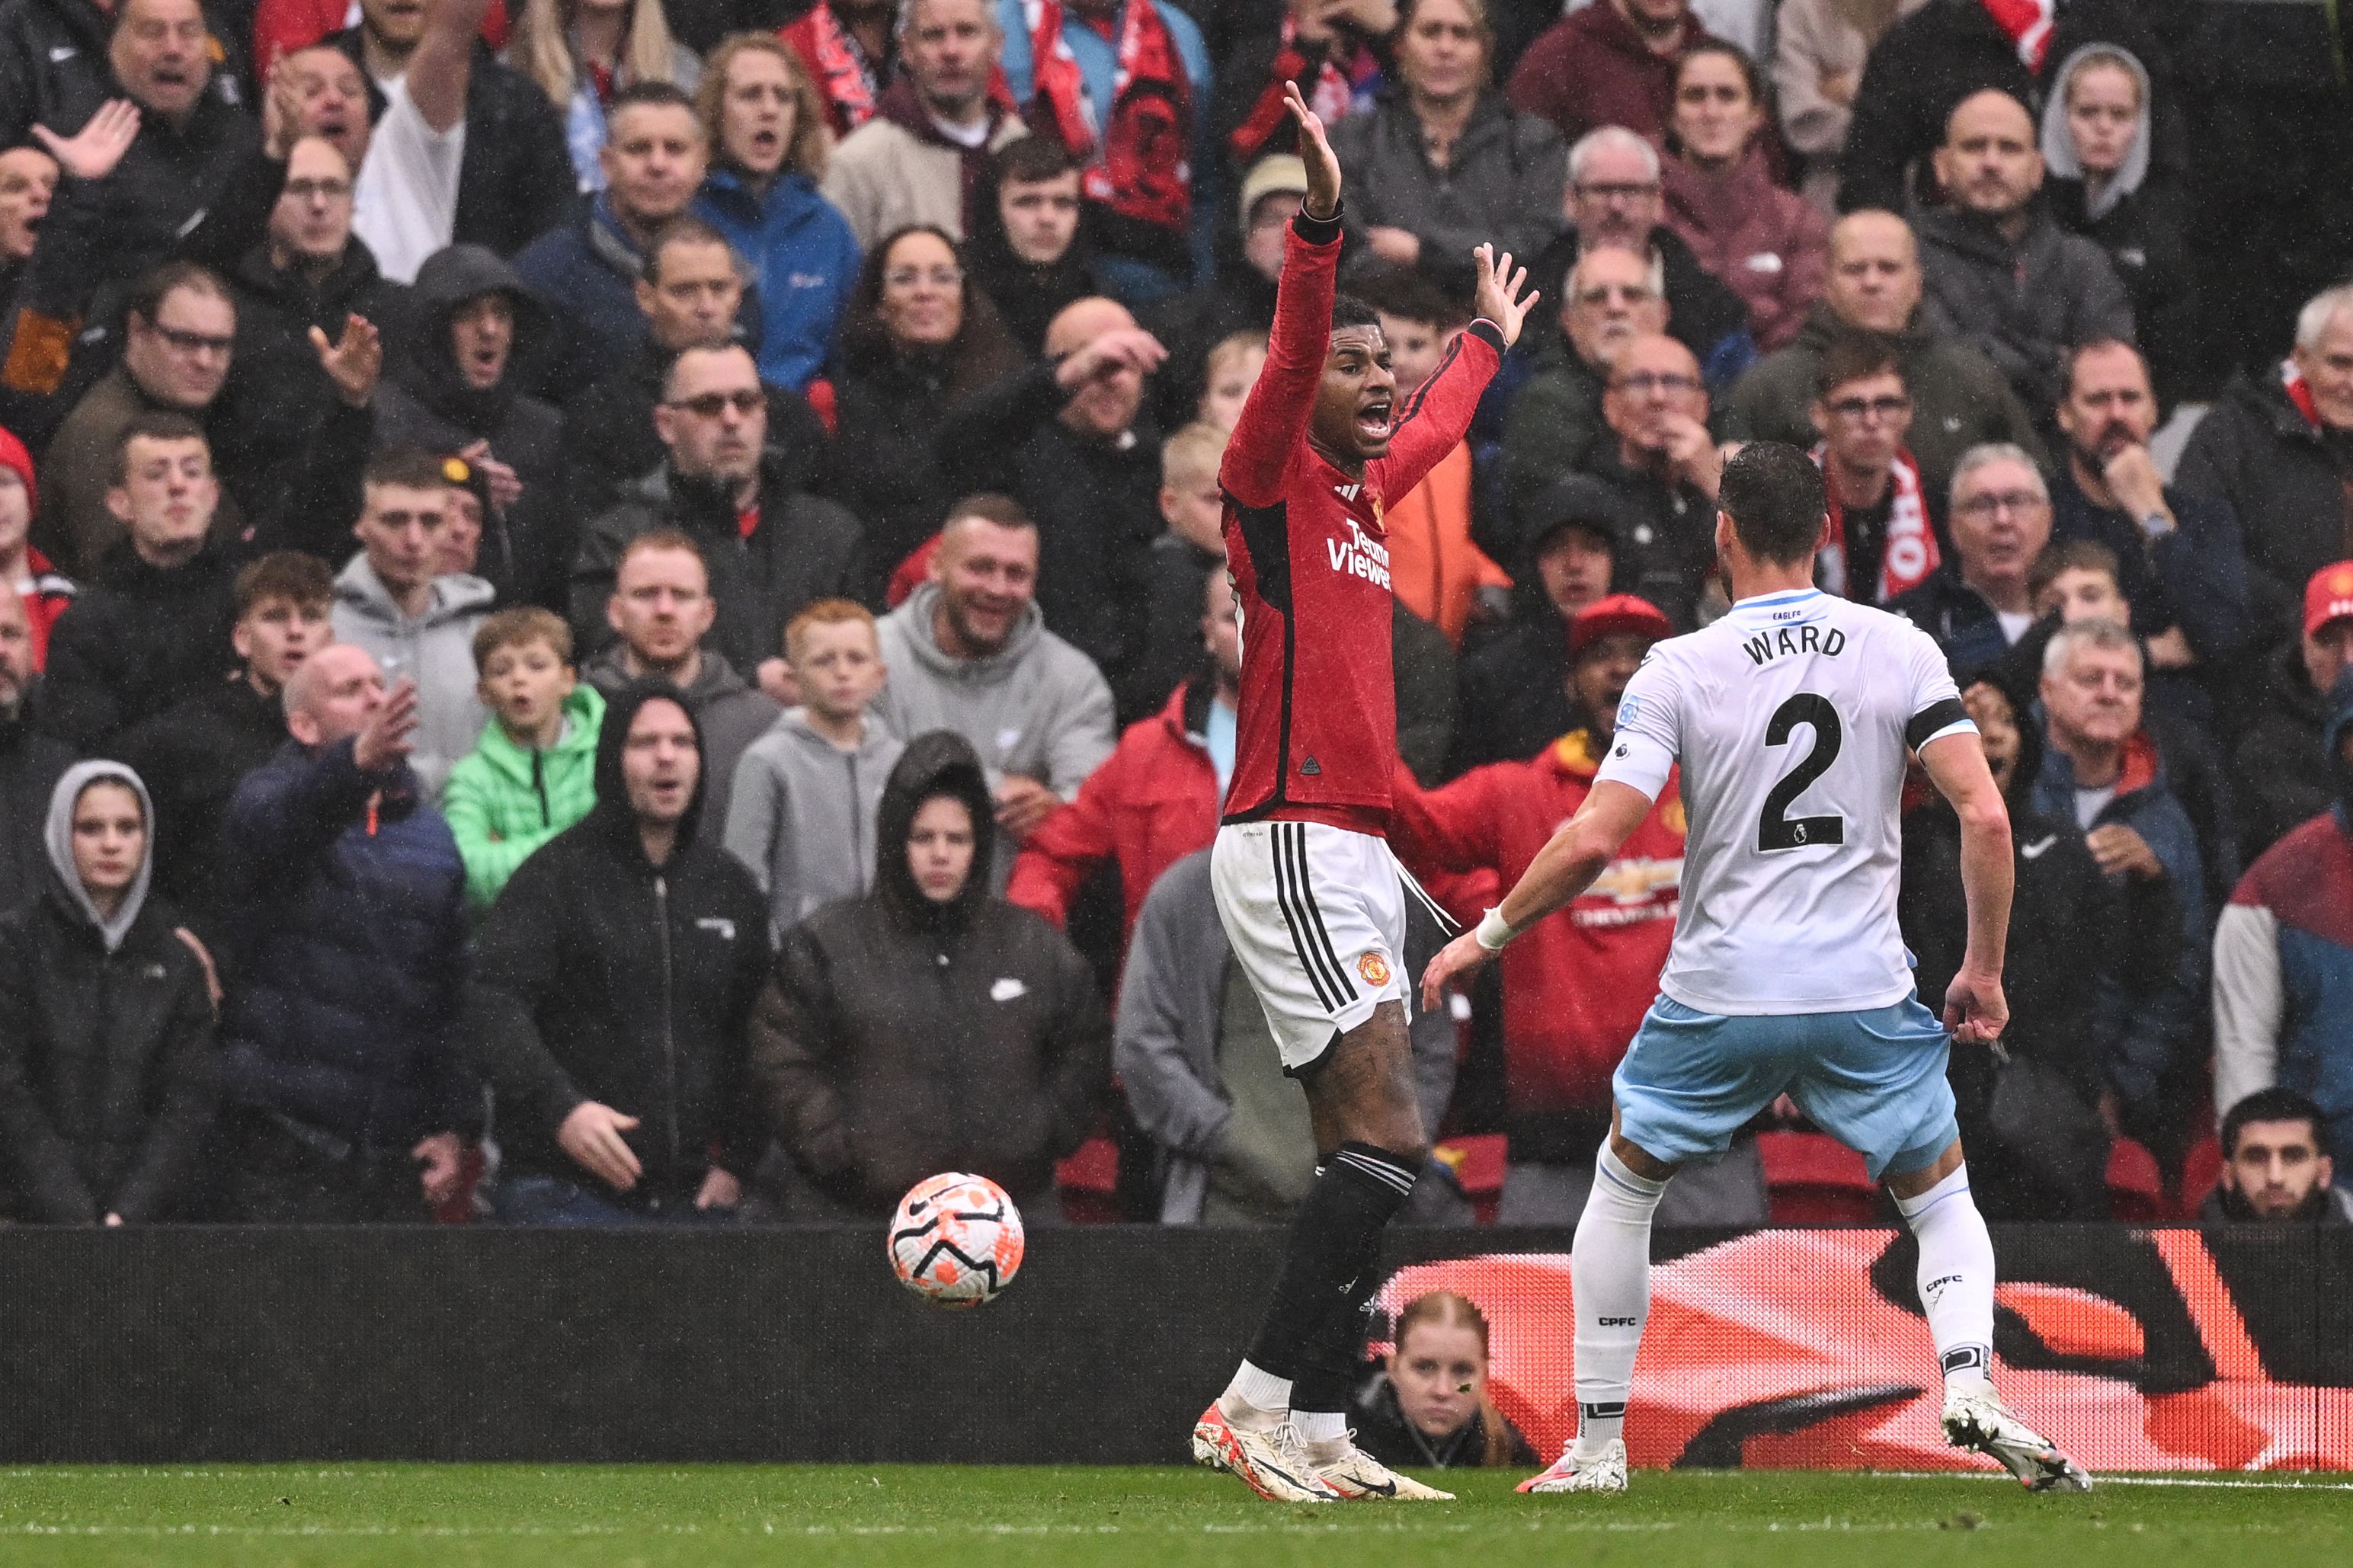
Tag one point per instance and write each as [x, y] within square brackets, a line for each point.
[1874, 1080]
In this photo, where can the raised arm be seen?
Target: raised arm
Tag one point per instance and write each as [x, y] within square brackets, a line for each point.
[1274, 416]
[1437, 416]
[443, 63]
[1974, 1008]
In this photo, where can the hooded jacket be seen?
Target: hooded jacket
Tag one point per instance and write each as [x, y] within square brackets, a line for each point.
[1768, 245]
[435, 649]
[801, 549]
[2019, 303]
[31, 763]
[1502, 182]
[1038, 707]
[899, 1037]
[426, 401]
[2281, 773]
[730, 714]
[600, 975]
[897, 169]
[133, 644]
[803, 815]
[2284, 965]
[504, 802]
[346, 966]
[107, 1072]
[2286, 478]
[1958, 398]
[803, 256]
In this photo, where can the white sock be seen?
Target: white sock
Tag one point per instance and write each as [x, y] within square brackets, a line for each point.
[1610, 1274]
[1956, 1277]
[1326, 1433]
[1256, 1399]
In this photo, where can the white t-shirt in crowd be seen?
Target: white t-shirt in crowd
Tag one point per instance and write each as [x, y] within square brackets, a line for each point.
[2090, 802]
[2012, 627]
[405, 203]
[1792, 718]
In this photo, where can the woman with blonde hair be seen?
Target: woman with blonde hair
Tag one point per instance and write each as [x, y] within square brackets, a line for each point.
[580, 52]
[1428, 1408]
[767, 128]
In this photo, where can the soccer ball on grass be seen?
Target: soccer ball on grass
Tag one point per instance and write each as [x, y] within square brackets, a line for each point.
[955, 1239]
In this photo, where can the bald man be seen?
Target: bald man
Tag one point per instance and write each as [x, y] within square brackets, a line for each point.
[1660, 463]
[1999, 270]
[1960, 398]
[1070, 441]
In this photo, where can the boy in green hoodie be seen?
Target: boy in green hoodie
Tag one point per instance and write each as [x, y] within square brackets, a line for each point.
[534, 773]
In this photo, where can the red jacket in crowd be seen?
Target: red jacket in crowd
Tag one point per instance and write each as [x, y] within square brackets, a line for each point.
[1769, 246]
[1151, 803]
[45, 596]
[1575, 984]
[1593, 69]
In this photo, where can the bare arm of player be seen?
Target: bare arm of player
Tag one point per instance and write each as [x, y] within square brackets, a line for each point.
[1578, 851]
[1975, 1009]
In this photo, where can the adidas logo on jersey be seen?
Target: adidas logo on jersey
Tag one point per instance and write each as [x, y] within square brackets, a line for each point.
[1360, 555]
[1346, 492]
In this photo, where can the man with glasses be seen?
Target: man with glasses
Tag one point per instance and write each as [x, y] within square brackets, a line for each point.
[1881, 542]
[771, 548]
[1661, 467]
[1978, 604]
[1608, 300]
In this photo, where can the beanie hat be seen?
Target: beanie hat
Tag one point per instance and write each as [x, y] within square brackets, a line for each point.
[13, 455]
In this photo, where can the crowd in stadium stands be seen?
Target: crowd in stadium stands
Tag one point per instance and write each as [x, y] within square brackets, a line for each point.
[617, 607]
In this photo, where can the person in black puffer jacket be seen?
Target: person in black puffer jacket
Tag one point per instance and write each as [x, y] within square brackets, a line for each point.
[928, 1026]
[613, 981]
[108, 1074]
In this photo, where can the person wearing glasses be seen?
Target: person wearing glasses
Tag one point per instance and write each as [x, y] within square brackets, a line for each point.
[1608, 300]
[1976, 604]
[1661, 467]
[1881, 541]
[771, 549]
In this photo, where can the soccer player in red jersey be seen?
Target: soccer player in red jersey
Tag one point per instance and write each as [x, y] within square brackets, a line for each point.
[1306, 887]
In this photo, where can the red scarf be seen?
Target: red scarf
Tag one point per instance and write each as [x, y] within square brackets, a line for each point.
[839, 62]
[1910, 554]
[2028, 24]
[1332, 94]
[2299, 393]
[1138, 167]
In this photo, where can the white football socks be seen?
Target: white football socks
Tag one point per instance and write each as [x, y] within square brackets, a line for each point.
[1956, 1277]
[1256, 1400]
[1610, 1274]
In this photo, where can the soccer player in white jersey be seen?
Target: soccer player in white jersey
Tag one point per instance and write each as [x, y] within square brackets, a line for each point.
[1792, 718]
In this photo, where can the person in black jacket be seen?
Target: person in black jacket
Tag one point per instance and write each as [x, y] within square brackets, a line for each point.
[1428, 1405]
[928, 1026]
[1029, 249]
[108, 1074]
[612, 982]
[31, 763]
[771, 550]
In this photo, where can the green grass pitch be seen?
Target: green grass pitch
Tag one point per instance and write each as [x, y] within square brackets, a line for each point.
[520, 1516]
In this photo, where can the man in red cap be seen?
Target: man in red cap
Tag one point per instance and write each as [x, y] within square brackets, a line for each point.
[2281, 774]
[23, 568]
[1576, 984]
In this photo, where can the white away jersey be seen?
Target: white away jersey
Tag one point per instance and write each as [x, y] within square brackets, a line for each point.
[1792, 718]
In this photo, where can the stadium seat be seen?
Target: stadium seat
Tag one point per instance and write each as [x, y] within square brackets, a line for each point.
[2136, 1186]
[2201, 1172]
[1478, 1165]
[1811, 1179]
[1089, 1182]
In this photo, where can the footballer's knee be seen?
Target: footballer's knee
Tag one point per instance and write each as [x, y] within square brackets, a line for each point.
[1363, 1091]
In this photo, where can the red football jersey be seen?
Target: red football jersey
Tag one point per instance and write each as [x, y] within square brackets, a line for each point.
[1316, 735]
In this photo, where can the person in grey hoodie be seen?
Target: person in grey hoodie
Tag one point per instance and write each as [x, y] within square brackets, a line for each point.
[389, 602]
[969, 652]
[807, 793]
[2000, 272]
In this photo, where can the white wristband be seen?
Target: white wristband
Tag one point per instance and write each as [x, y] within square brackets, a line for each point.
[1493, 932]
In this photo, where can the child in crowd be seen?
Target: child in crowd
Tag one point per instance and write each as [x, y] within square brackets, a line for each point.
[23, 568]
[1233, 368]
[533, 774]
[801, 817]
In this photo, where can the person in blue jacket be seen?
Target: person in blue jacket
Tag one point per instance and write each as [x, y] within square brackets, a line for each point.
[767, 128]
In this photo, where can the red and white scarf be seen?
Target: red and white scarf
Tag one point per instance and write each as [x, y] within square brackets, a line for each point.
[1140, 165]
[1910, 554]
[1346, 74]
[839, 62]
[2028, 24]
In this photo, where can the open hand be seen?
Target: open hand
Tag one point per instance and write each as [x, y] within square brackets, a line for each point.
[384, 742]
[354, 362]
[92, 152]
[1456, 963]
[1498, 299]
[592, 1135]
[1122, 348]
[1323, 167]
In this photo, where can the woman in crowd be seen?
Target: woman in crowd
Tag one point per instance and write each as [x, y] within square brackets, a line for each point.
[765, 124]
[928, 1025]
[2096, 143]
[108, 1074]
[1769, 246]
[1819, 49]
[917, 337]
[580, 52]
[1429, 1408]
[1440, 162]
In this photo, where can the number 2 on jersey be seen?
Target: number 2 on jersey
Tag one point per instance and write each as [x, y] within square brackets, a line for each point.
[1775, 828]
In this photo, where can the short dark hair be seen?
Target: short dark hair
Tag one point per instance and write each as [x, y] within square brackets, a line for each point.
[1028, 160]
[410, 468]
[676, 539]
[989, 506]
[2070, 555]
[686, 229]
[1774, 495]
[294, 575]
[653, 95]
[157, 284]
[1855, 356]
[1347, 310]
[2075, 352]
[155, 424]
[2273, 1104]
[1408, 295]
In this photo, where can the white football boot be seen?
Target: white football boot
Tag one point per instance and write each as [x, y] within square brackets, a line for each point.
[1976, 1418]
[1271, 1462]
[1359, 1478]
[1570, 1474]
